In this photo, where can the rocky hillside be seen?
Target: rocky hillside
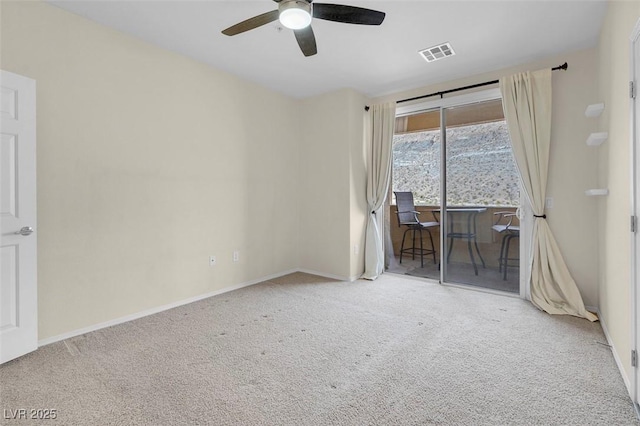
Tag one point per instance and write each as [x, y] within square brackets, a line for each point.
[480, 166]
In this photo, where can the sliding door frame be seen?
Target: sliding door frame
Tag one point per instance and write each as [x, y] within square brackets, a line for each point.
[457, 101]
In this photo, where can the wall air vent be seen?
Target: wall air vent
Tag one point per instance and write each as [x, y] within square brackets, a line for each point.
[435, 53]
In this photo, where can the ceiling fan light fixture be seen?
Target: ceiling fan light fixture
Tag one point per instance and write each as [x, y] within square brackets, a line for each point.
[295, 14]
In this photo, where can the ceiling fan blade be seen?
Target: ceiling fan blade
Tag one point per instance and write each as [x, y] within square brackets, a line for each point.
[347, 14]
[251, 23]
[306, 41]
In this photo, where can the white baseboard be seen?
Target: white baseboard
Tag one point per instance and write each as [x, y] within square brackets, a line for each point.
[157, 309]
[332, 276]
[616, 357]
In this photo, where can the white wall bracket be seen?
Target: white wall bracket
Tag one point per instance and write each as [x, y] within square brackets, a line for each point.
[594, 110]
[596, 192]
[596, 139]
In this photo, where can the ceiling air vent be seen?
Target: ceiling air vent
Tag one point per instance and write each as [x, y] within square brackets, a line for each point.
[440, 51]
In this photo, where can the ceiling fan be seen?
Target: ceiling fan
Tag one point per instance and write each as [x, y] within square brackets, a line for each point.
[297, 14]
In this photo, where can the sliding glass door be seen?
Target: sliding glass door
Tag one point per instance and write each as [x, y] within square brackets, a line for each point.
[457, 162]
[482, 194]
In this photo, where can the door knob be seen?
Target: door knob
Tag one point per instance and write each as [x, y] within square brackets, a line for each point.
[25, 231]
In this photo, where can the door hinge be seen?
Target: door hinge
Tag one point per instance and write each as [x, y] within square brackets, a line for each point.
[634, 224]
[632, 90]
[634, 358]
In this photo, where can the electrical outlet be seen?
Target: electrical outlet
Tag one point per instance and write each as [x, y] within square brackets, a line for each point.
[356, 249]
[548, 203]
[236, 255]
[212, 261]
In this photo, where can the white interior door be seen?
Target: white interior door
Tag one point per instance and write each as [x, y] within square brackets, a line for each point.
[18, 285]
[635, 134]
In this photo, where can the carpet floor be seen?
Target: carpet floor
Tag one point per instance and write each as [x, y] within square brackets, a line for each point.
[304, 350]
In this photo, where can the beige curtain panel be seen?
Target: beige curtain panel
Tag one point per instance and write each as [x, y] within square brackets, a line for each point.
[526, 100]
[382, 120]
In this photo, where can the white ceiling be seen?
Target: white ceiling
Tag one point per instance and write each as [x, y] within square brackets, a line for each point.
[486, 35]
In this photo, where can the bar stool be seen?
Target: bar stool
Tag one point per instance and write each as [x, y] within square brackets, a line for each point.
[509, 232]
[408, 216]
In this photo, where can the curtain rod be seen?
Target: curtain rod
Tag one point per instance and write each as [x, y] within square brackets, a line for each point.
[473, 86]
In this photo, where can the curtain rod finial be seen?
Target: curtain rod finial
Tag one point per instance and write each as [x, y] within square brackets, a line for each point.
[366, 107]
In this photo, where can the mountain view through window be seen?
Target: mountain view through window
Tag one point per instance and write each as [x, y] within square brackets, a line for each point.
[481, 170]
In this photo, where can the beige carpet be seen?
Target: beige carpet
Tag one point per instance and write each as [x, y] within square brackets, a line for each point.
[302, 350]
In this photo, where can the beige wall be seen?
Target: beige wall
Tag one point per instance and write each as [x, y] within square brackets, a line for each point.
[148, 163]
[614, 172]
[572, 162]
[332, 214]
